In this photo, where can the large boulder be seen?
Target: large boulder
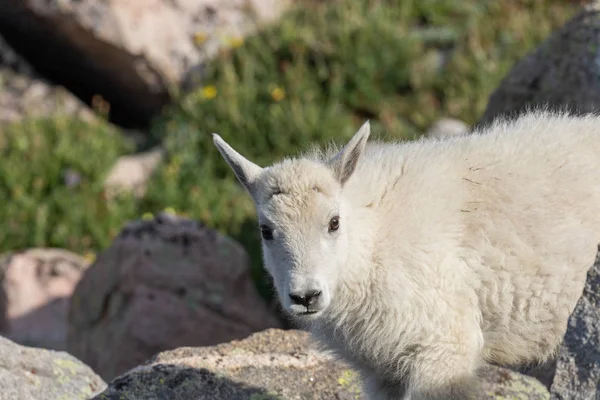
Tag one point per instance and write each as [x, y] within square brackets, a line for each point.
[164, 283]
[577, 375]
[273, 364]
[132, 52]
[35, 287]
[561, 73]
[24, 93]
[33, 374]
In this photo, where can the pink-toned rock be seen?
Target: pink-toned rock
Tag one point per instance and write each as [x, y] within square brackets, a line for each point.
[163, 283]
[131, 172]
[36, 287]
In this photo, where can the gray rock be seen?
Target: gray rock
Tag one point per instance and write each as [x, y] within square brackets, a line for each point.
[28, 373]
[276, 365]
[561, 73]
[163, 283]
[577, 375]
[542, 372]
[273, 364]
[501, 383]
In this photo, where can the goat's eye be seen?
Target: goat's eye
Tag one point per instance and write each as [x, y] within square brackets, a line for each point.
[334, 224]
[266, 232]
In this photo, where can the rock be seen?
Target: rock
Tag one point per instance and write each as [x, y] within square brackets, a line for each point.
[163, 283]
[132, 52]
[447, 127]
[500, 383]
[33, 374]
[273, 364]
[132, 172]
[561, 73]
[542, 372]
[36, 287]
[577, 375]
[265, 365]
[23, 93]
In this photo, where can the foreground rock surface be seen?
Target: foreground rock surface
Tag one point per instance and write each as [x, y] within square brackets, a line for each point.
[163, 284]
[273, 364]
[32, 374]
[577, 375]
[130, 51]
[36, 285]
[560, 73]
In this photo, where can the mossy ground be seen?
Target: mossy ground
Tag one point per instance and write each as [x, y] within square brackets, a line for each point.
[315, 77]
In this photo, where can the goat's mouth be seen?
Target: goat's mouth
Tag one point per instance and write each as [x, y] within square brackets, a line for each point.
[304, 312]
[308, 314]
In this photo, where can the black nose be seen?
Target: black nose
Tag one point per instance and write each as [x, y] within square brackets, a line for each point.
[305, 299]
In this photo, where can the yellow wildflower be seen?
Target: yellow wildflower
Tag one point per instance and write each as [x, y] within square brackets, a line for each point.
[90, 257]
[235, 42]
[209, 92]
[170, 210]
[147, 216]
[277, 93]
[200, 37]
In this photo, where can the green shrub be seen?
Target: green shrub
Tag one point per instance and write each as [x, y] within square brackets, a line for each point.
[40, 204]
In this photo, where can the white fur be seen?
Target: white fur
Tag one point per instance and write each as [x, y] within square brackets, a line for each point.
[450, 252]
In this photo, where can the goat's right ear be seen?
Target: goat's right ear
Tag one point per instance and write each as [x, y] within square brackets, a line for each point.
[245, 170]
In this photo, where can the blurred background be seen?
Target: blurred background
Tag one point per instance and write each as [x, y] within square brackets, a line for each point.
[107, 110]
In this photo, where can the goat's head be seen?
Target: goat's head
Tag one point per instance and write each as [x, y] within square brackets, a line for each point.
[304, 221]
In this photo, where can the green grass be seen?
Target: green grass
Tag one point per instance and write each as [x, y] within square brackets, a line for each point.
[314, 77]
[37, 207]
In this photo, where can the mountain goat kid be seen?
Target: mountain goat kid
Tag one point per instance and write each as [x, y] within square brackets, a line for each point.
[416, 262]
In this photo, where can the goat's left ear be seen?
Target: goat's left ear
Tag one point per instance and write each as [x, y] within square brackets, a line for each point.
[344, 162]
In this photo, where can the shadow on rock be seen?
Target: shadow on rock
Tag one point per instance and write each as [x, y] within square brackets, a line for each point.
[174, 382]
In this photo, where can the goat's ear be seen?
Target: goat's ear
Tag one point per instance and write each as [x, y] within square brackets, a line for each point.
[344, 162]
[245, 170]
